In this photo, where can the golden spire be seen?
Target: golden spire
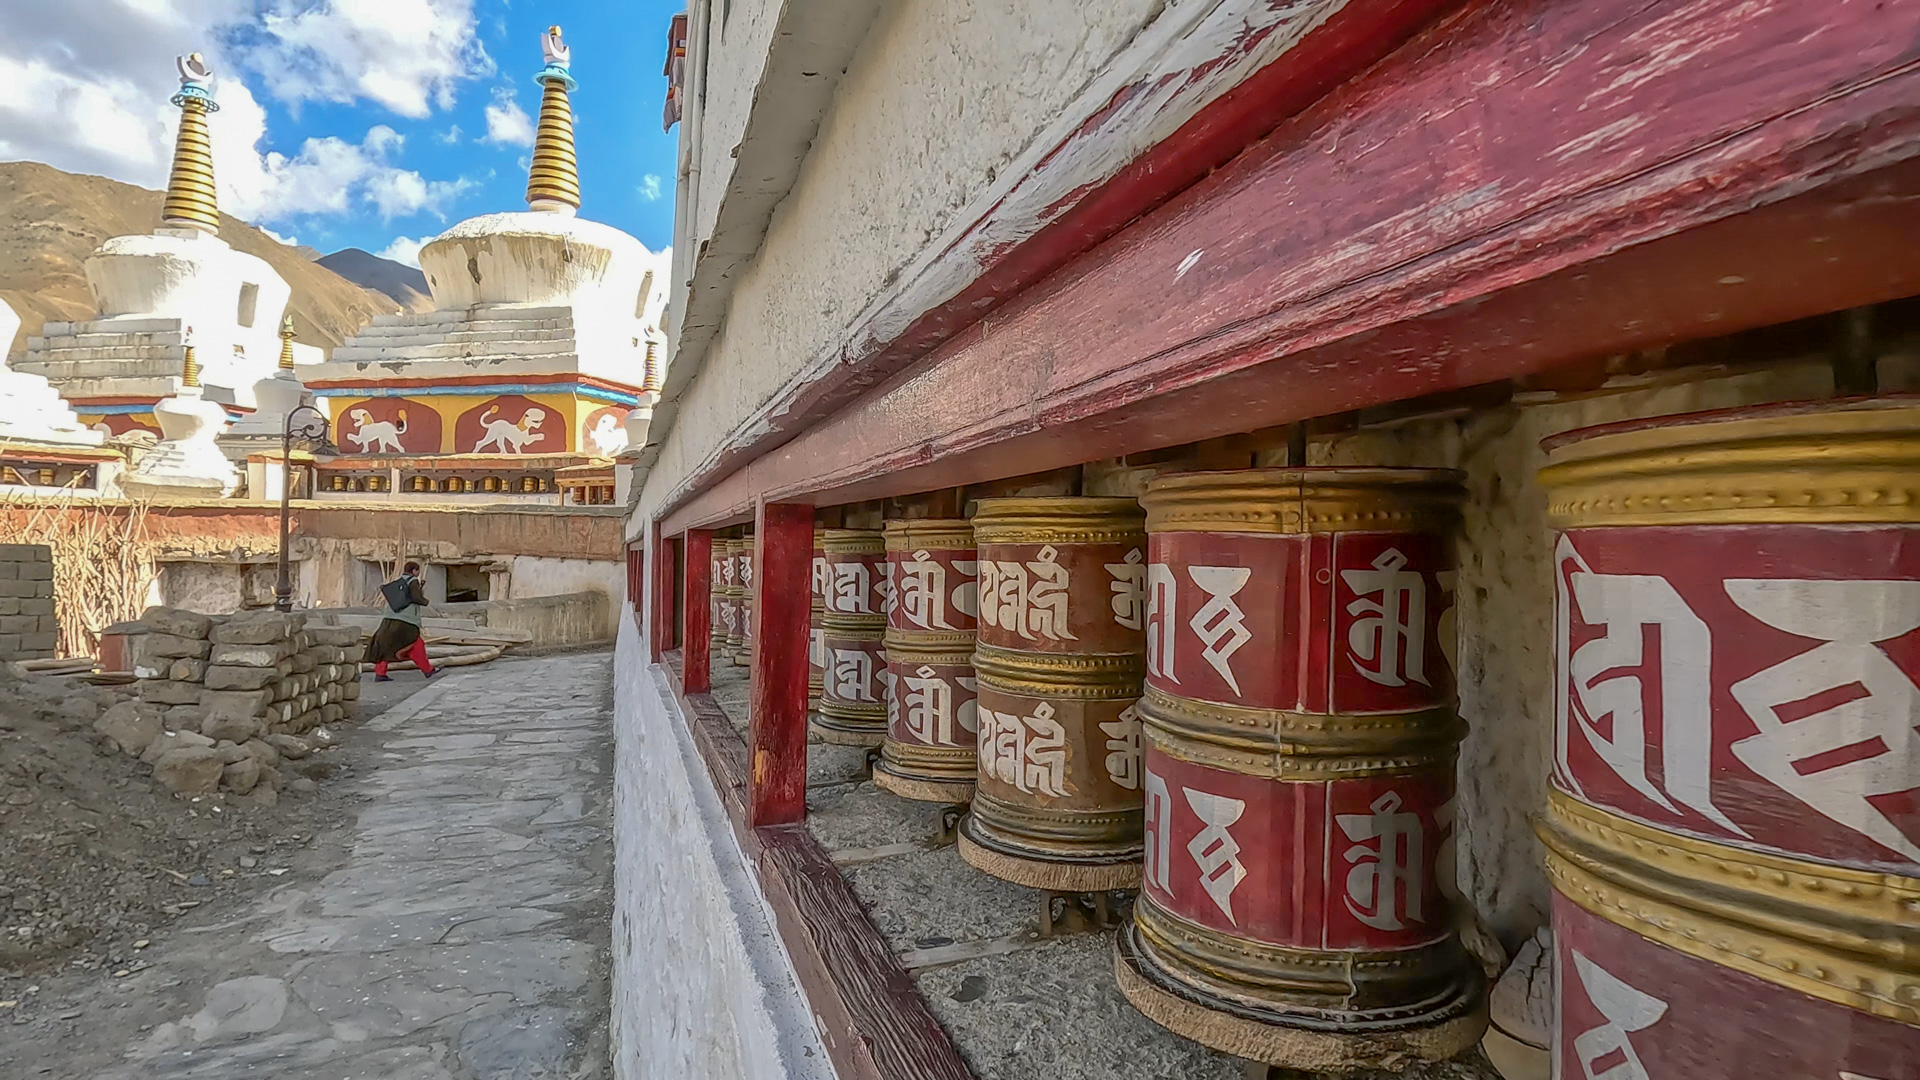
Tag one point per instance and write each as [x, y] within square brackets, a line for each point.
[553, 183]
[650, 373]
[190, 195]
[286, 343]
[191, 375]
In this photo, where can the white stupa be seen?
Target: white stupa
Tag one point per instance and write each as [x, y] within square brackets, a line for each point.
[187, 462]
[539, 300]
[150, 288]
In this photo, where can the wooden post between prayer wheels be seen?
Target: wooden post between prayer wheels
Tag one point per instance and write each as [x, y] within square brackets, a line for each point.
[777, 730]
[931, 716]
[1731, 831]
[1059, 658]
[853, 699]
[1301, 738]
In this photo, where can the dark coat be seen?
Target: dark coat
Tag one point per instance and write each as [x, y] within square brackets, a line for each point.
[393, 636]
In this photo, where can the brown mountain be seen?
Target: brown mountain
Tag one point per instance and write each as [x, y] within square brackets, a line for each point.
[405, 284]
[50, 221]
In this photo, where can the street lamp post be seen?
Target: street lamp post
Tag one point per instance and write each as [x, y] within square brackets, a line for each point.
[309, 425]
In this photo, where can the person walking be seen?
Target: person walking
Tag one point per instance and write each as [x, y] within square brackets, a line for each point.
[398, 635]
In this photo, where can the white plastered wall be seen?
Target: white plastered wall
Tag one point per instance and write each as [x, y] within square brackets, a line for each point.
[938, 99]
[702, 987]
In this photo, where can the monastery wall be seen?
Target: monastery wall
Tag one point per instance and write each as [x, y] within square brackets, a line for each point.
[938, 98]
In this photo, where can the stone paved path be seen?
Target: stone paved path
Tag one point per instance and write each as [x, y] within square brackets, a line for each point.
[465, 935]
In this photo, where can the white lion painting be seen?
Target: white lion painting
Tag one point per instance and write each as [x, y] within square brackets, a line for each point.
[509, 438]
[376, 438]
[609, 435]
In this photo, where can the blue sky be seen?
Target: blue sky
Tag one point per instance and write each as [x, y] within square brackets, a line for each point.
[362, 123]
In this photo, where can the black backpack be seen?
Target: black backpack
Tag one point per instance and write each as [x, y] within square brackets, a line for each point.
[399, 594]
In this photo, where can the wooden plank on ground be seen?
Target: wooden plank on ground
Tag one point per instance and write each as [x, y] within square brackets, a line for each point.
[871, 1016]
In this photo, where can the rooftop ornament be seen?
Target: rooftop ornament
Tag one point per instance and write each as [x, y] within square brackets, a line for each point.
[191, 202]
[553, 182]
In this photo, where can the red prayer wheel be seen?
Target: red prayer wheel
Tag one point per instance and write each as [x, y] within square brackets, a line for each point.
[1058, 663]
[1731, 831]
[853, 697]
[931, 716]
[1300, 745]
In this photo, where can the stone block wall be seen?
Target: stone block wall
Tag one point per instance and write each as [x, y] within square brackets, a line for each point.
[272, 671]
[29, 629]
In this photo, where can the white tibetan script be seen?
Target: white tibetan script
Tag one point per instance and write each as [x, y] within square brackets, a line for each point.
[1029, 599]
[1626, 1010]
[1163, 602]
[852, 674]
[852, 586]
[1870, 703]
[1123, 748]
[1383, 885]
[1156, 867]
[1129, 587]
[1215, 852]
[1220, 624]
[922, 592]
[1392, 632]
[1602, 679]
[1029, 752]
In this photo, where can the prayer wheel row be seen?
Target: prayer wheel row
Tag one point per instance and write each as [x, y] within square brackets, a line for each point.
[733, 600]
[1731, 830]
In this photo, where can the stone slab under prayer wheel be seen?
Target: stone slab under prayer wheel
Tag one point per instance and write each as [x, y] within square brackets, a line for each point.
[816, 652]
[1732, 833]
[931, 716]
[1300, 744]
[1058, 663]
[853, 697]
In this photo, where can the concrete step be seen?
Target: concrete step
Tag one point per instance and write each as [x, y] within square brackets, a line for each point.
[489, 350]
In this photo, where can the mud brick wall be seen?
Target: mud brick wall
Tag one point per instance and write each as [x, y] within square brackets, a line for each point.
[28, 627]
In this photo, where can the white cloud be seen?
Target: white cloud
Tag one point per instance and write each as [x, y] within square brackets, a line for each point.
[451, 136]
[507, 123]
[404, 249]
[650, 187]
[103, 108]
[408, 55]
[290, 241]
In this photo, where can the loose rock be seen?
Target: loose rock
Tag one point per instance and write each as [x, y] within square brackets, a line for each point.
[131, 726]
[190, 770]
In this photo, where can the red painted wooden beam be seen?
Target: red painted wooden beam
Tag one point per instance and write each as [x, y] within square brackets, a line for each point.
[782, 609]
[696, 672]
[1359, 254]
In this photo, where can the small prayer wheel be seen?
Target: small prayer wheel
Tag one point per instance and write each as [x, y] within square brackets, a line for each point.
[721, 588]
[931, 716]
[816, 651]
[853, 697]
[744, 600]
[1730, 831]
[1301, 737]
[738, 554]
[1058, 663]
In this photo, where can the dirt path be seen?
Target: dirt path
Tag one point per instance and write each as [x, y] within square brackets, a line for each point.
[452, 923]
